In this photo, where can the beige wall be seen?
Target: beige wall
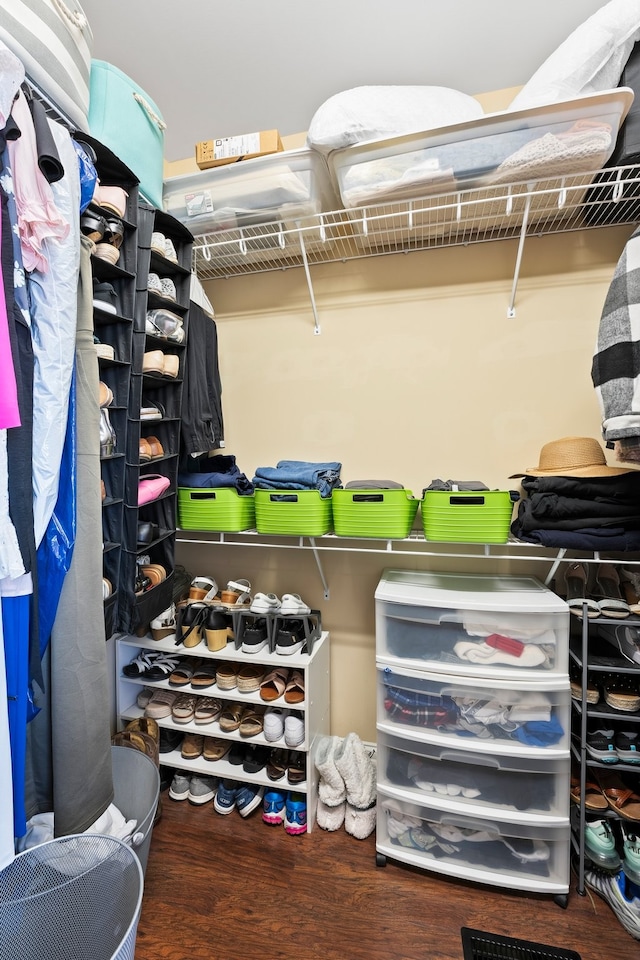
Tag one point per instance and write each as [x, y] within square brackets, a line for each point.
[417, 374]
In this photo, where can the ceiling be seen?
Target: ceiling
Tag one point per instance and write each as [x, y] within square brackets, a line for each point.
[226, 67]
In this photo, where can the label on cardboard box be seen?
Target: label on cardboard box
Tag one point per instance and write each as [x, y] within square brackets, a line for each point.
[236, 146]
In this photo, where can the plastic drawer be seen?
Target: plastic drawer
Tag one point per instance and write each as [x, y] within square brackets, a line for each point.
[512, 788]
[516, 855]
[487, 715]
[472, 625]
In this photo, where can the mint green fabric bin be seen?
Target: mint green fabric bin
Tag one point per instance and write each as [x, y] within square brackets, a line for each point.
[127, 121]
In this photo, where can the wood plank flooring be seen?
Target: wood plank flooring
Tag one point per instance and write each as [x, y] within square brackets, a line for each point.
[223, 888]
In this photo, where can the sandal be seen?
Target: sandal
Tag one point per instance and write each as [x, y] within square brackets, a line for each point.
[607, 593]
[203, 676]
[162, 667]
[274, 684]
[207, 709]
[251, 722]
[191, 618]
[215, 748]
[138, 667]
[203, 588]
[250, 677]
[294, 691]
[296, 768]
[594, 799]
[183, 674]
[227, 676]
[230, 717]
[237, 594]
[277, 764]
[630, 582]
[183, 710]
[619, 796]
[575, 578]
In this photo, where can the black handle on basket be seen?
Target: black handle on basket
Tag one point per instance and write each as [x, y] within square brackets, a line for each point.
[204, 495]
[367, 497]
[283, 497]
[466, 501]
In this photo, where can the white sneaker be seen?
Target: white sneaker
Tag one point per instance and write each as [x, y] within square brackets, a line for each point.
[179, 789]
[170, 250]
[158, 241]
[294, 730]
[168, 288]
[154, 284]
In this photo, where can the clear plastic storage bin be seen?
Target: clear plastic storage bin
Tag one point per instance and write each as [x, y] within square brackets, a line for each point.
[283, 186]
[485, 715]
[471, 624]
[518, 855]
[510, 787]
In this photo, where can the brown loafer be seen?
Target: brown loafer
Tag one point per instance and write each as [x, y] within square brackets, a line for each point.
[156, 448]
[145, 451]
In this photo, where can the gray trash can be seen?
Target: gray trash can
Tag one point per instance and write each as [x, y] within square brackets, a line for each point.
[136, 788]
[72, 898]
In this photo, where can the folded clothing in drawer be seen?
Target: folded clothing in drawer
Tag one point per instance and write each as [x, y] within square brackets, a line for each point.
[484, 714]
[284, 186]
[449, 779]
[507, 147]
[531, 856]
[471, 623]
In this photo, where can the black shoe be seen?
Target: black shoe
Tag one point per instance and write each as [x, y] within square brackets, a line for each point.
[170, 740]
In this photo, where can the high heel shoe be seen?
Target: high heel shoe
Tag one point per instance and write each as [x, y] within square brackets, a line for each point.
[216, 628]
[107, 434]
[191, 620]
[630, 583]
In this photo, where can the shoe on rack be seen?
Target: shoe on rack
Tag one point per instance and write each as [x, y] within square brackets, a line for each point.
[630, 851]
[600, 844]
[621, 697]
[627, 745]
[622, 895]
[113, 199]
[170, 740]
[104, 351]
[255, 637]
[158, 241]
[225, 798]
[293, 605]
[170, 250]
[630, 583]
[216, 628]
[608, 593]
[294, 729]
[295, 815]
[623, 637]
[179, 789]
[168, 289]
[105, 297]
[273, 803]
[108, 438]
[248, 798]
[153, 284]
[265, 603]
[601, 746]
[108, 252]
[202, 788]
[291, 638]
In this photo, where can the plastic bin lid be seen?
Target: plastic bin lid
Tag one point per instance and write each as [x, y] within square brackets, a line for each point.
[468, 591]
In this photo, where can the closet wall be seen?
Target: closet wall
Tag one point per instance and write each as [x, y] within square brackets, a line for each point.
[417, 374]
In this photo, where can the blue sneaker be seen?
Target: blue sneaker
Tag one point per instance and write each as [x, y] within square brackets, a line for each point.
[248, 797]
[225, 798]
[295, 817]
[273, 807]
[620, 894]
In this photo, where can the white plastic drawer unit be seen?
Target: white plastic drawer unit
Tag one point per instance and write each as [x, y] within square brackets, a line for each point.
[517, 855]
[509, 147]
[497, 716]
[282, 186]
[530, 789]
[472, 625]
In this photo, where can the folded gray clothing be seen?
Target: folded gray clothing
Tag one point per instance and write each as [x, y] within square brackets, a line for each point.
[373, 485]
[456, 485]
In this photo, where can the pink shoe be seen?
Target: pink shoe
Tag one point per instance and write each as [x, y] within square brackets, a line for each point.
[111, 198]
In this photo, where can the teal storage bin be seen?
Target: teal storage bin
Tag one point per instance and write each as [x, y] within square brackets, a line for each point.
[302, 513]
[215, 508]
[127, 121]
[386, 514]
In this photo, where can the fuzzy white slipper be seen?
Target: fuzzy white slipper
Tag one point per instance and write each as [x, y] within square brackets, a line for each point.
[358, 771]
[330, 818]
[360, 823]
[331, 788]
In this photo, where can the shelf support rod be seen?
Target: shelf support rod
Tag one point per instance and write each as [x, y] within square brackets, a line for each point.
[307, 273]
[312, 542]
[511, 310]
[554, 566]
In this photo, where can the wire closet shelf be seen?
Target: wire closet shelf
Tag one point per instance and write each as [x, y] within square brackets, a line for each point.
[557, 204]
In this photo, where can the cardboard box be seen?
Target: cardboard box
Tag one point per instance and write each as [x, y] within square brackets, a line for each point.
[214, 153]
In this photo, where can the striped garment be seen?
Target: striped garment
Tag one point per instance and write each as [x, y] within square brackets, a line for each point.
[615, 369]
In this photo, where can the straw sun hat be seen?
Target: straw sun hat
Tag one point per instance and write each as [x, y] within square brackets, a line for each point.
[572, 457]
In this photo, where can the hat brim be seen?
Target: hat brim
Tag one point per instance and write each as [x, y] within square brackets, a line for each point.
[597, 470]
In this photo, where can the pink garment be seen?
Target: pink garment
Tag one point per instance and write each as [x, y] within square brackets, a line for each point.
[38, 217]
[9, 410]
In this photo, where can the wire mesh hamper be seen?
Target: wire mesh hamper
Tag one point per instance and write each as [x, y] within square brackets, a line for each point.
[72, 898]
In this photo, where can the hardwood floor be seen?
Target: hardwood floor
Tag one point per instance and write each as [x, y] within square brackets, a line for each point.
[224, 888]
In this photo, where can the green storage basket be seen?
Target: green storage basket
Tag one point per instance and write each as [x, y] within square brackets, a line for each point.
[385, 514]
[301, 513]
[215, 508]
[467, 516]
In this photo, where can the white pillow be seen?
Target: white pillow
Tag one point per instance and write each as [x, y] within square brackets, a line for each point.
[591, 59]
[373, 113]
